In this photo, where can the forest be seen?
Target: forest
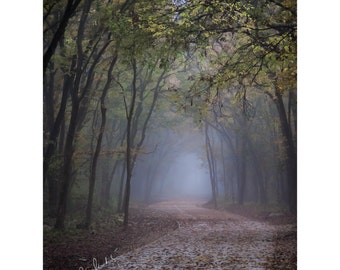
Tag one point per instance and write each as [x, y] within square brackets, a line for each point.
[153, 100]
[120, 77]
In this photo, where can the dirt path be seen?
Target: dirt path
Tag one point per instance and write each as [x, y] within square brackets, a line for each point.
[193, 210]
[210, 239]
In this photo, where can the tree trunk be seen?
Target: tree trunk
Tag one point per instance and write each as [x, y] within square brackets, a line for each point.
[259, 176]
[212, 167]
[99, 144]
[242, 172]
[291, 160]
[147, 185]
[76, 99]
[67, 168]
[106, 186]
[225, 178]
[132, 125]
[129, 144]
[94, 169]
[50, 151]
[120, 204]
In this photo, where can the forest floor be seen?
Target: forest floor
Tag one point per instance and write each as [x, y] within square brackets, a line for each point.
[179, 235]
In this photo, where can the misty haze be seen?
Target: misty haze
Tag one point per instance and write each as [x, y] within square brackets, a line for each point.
[185, 179]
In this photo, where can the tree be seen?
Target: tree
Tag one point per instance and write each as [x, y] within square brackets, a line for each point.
[92, 178]
[212, 165]
[70, 8]
[78, 92]
[253, 49]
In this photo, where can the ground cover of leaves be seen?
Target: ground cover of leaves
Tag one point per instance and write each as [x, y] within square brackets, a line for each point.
[179, 236]
[203, 241]
[77, 248]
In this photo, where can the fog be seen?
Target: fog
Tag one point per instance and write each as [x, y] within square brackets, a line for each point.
[174, 166]
[187, 178]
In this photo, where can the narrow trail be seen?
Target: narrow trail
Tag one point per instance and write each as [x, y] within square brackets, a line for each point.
[211, 239]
